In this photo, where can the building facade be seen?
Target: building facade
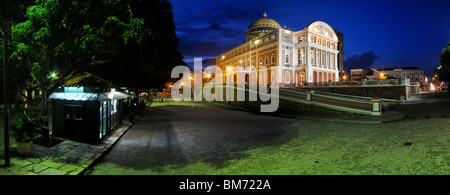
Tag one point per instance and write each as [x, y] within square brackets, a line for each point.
[272, 54]
[414, 74]
[340, 48]
[360, 74]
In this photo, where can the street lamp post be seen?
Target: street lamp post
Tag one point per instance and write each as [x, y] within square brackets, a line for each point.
[5, 77]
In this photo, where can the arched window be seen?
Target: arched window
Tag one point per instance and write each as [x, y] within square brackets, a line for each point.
[287, 77]
[267, 60]
[273, 58]
[260, 61]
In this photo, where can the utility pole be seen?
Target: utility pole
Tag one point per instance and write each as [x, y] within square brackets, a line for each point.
[5, 77]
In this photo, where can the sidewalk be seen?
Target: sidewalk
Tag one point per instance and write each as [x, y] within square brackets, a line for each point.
[65, 158]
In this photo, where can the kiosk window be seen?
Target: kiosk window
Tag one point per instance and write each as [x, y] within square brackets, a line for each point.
[73, 112]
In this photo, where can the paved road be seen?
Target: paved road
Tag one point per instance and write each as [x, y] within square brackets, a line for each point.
[179, 135]
[210, 140]
[427, 105]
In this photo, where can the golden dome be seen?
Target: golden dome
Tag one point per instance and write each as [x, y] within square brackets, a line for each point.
[261, 27]
[264, 22]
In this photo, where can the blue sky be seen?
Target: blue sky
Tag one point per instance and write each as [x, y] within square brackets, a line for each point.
[377, 33]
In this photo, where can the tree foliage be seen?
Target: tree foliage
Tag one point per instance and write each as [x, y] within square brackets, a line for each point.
[129, 42]
[147, 45]
[19, 78]
[444, 69]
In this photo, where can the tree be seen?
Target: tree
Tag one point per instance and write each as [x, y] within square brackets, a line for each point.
[53, 40]
[444, 69]
[21, 79]
[148, 48]
[132, 42]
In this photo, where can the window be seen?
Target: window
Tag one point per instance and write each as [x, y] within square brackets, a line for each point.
[323, 58]
[287, 37]
[267, 60]
[73, 112]
[301, 40]
[273, 58]
[332, 61]
[286, 78]
[287, 58]
[260, 61]
[114, 105]
[328, 59]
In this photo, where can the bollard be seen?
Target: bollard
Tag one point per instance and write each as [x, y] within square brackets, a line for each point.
[376, 104]
[309, 95]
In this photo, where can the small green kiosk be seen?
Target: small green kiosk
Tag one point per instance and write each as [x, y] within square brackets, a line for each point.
[84, 113]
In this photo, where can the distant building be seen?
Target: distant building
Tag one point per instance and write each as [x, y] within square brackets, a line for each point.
[340, 48]
[414, 74]
[359, 74]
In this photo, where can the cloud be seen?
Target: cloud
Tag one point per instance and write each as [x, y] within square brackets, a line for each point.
[208, 39]
[200, 47]
[208, 28]
[365, 61]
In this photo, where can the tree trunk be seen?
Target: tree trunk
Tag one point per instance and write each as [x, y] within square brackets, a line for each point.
[44, 99]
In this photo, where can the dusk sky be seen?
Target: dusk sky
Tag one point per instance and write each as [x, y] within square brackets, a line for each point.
[377, 33]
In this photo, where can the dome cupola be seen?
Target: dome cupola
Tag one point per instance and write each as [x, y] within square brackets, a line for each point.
[260, 27]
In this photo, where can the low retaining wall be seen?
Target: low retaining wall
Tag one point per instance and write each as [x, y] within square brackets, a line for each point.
[382, 91]
[286, 106]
